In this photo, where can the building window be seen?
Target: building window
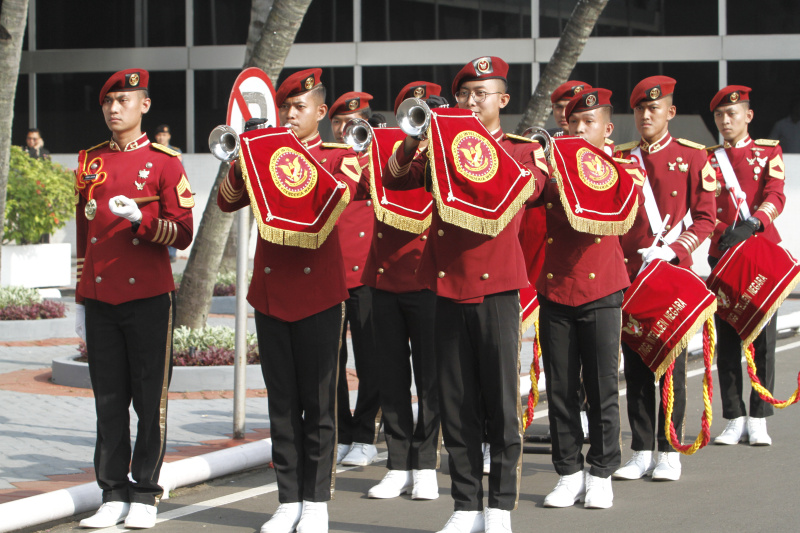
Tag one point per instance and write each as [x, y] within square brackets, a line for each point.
[328, 22]
[220, 22]
[763, 17]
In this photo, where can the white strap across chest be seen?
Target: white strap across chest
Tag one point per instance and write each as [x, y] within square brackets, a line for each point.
[731, 182]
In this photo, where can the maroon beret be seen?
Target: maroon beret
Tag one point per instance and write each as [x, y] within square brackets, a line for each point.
[588, 100]
[298, 83]
[132, 79]
[732, 94]
[568, 89]
[652, 88]
[483, 68]
[417, 89]
[350, 103]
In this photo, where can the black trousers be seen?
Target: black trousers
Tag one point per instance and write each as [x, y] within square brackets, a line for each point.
[643, 401]
[298, 361]
[729, 368]
[364, 423]
[477, 354]
[130, 360]
[398, 319]
[584, 338]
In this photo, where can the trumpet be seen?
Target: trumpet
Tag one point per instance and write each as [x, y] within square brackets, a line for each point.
[224, 143]
[541, 136]
[358, 134]
[414, 117]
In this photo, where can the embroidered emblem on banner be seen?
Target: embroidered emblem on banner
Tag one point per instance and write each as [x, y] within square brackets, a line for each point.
[475, 158]
[594, 171]
[292, 173]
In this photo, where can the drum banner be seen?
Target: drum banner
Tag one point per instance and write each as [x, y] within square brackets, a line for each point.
[662, 310]
[405, 210]
[295, 200]
[598, 194]
[529, 304]
[477, 185]
[750, 282]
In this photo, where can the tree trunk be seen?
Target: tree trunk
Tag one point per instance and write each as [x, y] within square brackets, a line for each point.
[228, 263]
[13, 16]
[570, 45]
[269, 53]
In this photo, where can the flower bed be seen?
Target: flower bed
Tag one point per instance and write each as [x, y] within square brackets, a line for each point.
[20, 303]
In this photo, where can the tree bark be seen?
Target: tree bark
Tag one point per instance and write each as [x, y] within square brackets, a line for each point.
[579, 26]
[13, 16]
[269, 54]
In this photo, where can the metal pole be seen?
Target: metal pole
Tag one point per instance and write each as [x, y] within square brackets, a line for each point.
[240, 360]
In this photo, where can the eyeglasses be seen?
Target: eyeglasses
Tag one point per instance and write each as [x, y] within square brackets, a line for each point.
[479, 96]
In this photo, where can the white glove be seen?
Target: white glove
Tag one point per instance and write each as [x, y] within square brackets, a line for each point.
[80, 321]
[657, 252]
[124, 207]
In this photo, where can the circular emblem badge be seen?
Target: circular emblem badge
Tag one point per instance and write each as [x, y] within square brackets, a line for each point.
[577, 89]
[292, 173]
[483, 66]
[591, 100]
[474, 157]
[734, 97]
[352, 104]
[594, 171]
[419, 92]
[655, 92]
[309, 83]
[133, 81]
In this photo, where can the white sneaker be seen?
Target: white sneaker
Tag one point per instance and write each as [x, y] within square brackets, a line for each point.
[735, 431]
[585, 425]
[464, 522]
[598, 492]
[497, 520]
[668, 467]
[393, 484]
[284, 519]
[639, 465]
[487, 458]
[141, 516]
[109, 514]
[341, 452]
[757, 429]
[314, 518]
[426, 487]
[360, 455]
[569, 490]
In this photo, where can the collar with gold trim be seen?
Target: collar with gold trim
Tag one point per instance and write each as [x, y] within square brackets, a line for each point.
[654, 147]
[313, 141]
[741, 144]
[131, 146]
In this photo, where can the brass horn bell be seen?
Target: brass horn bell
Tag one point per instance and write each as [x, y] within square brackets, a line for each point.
[414, 117]
[541, 136]
[224, 143]
[358, 134]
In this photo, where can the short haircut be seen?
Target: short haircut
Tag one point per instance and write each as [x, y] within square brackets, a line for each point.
[319, 93]
[35, 130]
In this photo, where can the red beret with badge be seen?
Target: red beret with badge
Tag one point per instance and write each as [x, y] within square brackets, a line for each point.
[482, 68]
[417, 89]
[588, 100]
[568, 89]
[732, 94]
[652, 88]
[132, 79]
[298, 83]
[351, 102]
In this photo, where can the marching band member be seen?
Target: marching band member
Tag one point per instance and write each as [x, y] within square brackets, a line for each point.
[558, 103]
[476, 278]
[680, 184]
[298, 296]
[751, 177]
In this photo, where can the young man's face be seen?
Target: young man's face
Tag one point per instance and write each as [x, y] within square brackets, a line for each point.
[163, 137]
[487, 111]
[732, 121]
[652, 118]
[123, 110]
[593, 125]
[559, 114]
[302, 113]
[338, 122]
[33, 139]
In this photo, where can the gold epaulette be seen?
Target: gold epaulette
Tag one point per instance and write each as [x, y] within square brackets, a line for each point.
[766, 142]
[627, 146]
[518, 138]
[623, 161]
[337, 145]
[691, 144]
[95, 147]
[608, 141]
[712, 148]
[162, 148]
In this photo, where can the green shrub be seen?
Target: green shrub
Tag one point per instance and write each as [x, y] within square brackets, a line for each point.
[185, 338]
[19, 296]
[41, 198]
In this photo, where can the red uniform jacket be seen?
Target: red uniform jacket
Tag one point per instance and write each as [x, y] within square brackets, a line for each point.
[460, 264]
[393, 259]
[117, 263]
[758, 166]
[291, 283]
[355, 228]
[681, 179]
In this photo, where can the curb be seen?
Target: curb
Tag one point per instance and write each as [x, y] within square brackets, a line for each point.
[30, 330]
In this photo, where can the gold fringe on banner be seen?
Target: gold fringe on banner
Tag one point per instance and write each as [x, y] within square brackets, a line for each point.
[404, 223]
[528, 322]
[707, 313]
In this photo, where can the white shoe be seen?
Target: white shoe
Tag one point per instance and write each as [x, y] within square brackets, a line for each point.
[668, 467]
[393, 484]
[497, 520]
[341, 452]
[109, 514]
[360, 455]
[757, 429]
[426, 487]
[639, 465]
[487, 458]
[569, 490]
[314, 518]
[585, 425]
[284, 519]
[141, 516]
[464, 522]
[598, 492]
[735, 431]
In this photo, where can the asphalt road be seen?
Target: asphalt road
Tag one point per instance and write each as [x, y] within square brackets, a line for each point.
[723, 488]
